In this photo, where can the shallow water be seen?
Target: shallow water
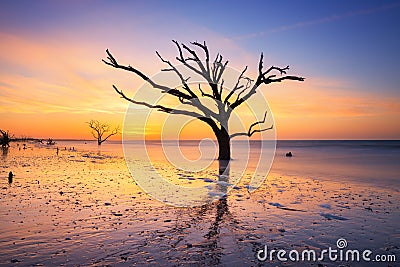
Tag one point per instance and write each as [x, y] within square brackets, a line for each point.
[375, 163]
[82, 207]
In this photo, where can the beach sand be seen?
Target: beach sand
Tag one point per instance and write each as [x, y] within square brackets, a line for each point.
[84, 208]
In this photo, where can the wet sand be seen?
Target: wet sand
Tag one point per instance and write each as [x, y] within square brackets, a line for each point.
[84, 208]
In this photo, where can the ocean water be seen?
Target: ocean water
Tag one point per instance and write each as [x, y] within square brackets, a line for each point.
[371, 162]
[374, 162]
[81, 207]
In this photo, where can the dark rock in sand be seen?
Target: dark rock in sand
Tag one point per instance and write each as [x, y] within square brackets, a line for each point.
[289, 154]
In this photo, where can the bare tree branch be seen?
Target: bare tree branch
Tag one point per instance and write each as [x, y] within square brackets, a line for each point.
[251, 131]
[161, 108]
[205, 48]
[114, 132]
[158, 107]
[216, 70]
[221, 87]
[203, 93]
[184, 61]
[183, 80]
[196, 59]
[236, 87]
[191, 96]
[221, 70]
[5, 139]
[202, 71]
[260, 64]
[262, 79]
[99, 129]
[165, 89]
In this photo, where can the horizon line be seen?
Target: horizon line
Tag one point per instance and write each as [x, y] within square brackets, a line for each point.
[93, 140]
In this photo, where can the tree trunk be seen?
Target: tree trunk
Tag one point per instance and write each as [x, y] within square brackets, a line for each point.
[224, 144]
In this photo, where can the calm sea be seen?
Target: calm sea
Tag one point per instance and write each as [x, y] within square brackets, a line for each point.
[373, 162]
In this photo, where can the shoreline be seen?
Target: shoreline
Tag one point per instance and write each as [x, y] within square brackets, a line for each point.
[277, 167]
[59, 206]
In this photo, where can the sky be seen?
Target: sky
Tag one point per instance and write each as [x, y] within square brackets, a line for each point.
[52, 79]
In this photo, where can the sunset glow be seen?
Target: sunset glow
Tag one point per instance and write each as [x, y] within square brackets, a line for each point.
[52, 79]
[201, 133]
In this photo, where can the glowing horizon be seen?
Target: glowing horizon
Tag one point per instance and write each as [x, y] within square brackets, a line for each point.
[52, 79]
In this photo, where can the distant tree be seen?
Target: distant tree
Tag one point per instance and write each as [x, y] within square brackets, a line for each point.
[101, 131]
[5, 138]
[212, 74]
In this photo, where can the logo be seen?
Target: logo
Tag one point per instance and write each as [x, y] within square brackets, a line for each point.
[340, 253]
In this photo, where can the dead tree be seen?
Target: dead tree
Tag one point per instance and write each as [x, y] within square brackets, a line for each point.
[5, 138]
[101, 131]
[212, 72]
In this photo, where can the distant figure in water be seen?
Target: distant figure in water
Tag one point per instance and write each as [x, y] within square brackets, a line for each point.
[10, 177]
[57, 151]
[289, 154]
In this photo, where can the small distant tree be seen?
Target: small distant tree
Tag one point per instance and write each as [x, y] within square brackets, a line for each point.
[5, 138]
[102, 131]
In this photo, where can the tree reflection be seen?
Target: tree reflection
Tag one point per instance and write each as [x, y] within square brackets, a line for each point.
[197, 236]
[222, 213]
[5, 152]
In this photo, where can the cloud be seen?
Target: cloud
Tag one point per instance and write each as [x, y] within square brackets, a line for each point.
[42, 78]
[317, 21]
[326, 98]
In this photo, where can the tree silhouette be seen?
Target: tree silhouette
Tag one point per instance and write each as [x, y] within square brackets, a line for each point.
[99, 130]
[212, 74]
[5, 138]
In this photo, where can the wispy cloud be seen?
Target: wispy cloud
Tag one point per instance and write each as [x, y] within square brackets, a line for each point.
[42, 78]
[327, 19]
[331, 99]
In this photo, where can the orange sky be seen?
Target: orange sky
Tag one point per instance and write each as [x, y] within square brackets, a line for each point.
[51, 84]
[55, 100]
